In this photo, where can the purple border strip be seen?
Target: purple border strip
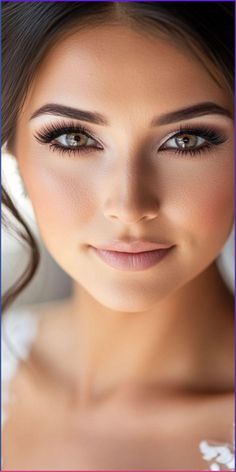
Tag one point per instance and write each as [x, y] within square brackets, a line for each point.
[120, 1]
[234, 218]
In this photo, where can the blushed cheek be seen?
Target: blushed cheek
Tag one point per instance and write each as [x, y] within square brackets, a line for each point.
[217, 201]
[217, 210]
[64, 202]
[196, 202]
[205, 207]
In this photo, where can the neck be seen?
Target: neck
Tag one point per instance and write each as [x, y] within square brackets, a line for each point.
[164, 345]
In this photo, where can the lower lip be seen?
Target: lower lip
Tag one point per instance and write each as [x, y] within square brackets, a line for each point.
[132, 261]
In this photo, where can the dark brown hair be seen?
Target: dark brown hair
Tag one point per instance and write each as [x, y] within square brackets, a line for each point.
[30, 29]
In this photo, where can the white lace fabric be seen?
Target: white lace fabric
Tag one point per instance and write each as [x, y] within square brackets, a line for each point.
[19, 329]
[220, 456]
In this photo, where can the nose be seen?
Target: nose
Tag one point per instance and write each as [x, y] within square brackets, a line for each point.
[129, 194]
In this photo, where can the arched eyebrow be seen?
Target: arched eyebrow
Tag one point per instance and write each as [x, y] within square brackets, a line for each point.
[62, 110]
[199, 109]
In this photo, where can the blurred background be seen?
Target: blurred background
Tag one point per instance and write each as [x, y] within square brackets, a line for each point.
[51, 282]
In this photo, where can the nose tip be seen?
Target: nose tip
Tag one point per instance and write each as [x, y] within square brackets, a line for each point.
[133, 211]
[129, 219]
[130, 192]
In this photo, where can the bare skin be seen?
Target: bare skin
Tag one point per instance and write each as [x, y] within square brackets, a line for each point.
[136, 368]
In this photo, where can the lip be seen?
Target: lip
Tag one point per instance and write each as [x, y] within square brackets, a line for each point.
[133, 261]
[133, 246]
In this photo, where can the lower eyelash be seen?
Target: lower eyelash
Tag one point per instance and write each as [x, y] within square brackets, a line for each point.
[191, 152]
[70, 151]
[60, 149]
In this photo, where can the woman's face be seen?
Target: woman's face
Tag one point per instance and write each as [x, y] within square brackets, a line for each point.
[123, 184]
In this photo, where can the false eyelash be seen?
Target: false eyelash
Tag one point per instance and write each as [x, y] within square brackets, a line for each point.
[53, 131]
[203, 131]
[213, 138]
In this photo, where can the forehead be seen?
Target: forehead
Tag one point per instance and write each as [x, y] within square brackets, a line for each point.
[114, 67]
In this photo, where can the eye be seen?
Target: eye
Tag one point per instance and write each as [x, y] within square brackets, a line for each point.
[74, 140]
[193, 140]
[185, 141]
[68, 138]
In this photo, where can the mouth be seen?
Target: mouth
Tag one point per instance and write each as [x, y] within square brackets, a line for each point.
[132, 261]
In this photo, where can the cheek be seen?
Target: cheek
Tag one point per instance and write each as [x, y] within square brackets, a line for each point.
[202, 197]
[63, 201]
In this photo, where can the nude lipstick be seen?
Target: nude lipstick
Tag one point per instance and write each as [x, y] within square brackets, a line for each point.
[135, 256]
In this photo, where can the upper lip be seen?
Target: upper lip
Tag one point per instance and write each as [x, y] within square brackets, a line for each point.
[133, 246]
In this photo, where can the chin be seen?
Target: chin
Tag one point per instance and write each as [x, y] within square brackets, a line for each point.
[128, 301]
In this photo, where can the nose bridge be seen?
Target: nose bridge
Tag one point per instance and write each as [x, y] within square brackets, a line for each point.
[130, 194]
[129, 174]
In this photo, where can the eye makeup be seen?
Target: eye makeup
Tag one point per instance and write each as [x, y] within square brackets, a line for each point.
[50, 134]
[212, 137]
[52, 131]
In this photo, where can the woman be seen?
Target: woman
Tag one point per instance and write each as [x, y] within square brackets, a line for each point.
[120, 117]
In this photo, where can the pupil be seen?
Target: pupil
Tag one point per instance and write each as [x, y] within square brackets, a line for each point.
[183, 141]
[73, 139]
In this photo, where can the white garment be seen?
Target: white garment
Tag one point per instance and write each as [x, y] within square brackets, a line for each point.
[19, 328]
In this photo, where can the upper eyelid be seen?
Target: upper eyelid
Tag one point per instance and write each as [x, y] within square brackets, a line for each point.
[193, 131]
[81, 131]
[62, 126]
[211, 134]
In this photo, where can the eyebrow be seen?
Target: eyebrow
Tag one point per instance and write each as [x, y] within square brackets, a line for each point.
[69, 112]
[199, 109]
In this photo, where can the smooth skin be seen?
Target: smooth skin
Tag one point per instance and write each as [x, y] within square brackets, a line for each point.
[136, 367]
